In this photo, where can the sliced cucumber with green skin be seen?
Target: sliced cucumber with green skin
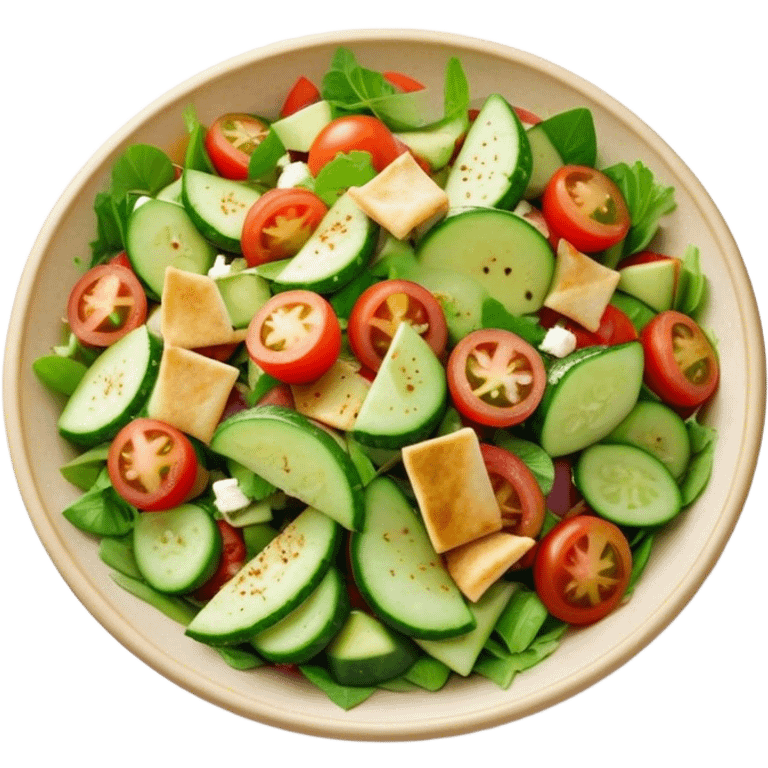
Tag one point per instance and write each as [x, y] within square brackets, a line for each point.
[397, 571]
[494, 164]
[306, 631]
[407, 398]
[437, 145]
[338, 250]
[244, 294]
[460, 653]
[627, 485]
[365, 652]
[176, 550]
[653, 283]
[296, 456]
[161, 234]
[639, 314]
[272, 584]
[113, 390]
[217, 206]
[657, 429]
[588, 394]
[503, 253]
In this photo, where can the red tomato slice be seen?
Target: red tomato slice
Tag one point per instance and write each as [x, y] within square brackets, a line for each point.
[403, 82]
[281, 394]
[354, 133]
[232, 560]
[295, 337]
[279, 223]
[495, 378]
[615, 327]
[585, 207]
[582, 569]
[152, 465]
[105, 304]
[564, 495]
[526, 116]
[231, 140]
[379, 311]
[680, 364]
[303, 93]
[517, 491]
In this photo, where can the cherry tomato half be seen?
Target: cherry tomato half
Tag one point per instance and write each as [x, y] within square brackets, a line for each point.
[105, 304]
[495, 378]
[303, 93]
[517, 491]
[152, 465]
[582, 569]
[615, 327]
[279, 223]
[403, 83]
[231, 561]
[354, 132]
[585, 207]
[379, 311]
[231, 140]
[680, 364]
[295, 337]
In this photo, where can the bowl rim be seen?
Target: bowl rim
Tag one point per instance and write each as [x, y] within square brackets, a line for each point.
[87, 591]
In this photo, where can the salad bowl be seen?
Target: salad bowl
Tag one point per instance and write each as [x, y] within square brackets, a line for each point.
[684, 553]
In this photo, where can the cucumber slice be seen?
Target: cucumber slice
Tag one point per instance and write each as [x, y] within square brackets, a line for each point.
[296, 456]
[588, 394]
[460, 653]
[638, 313]
[299, 130]
[176, 550]
[546, 160]
[407, 398]
[244, 294]
[366, 653]
[494, 164]
[627, 485]
[507, 256]
[161, 234]
[272, 584]
[338, 250]
[437, 145]
[217, 206]
[656, 428]
[113, 390]
[653, 283]
[398, 572]
[304, 632]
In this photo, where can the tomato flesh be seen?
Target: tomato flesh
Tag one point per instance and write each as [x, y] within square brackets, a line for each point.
[105, 304]
[295, 337]
[582, 569]
[680, 363]
[152, 465]
[380, 309]
[231, 561]
[230, 142]
[615, 327]
[279, 223]
[586, 208]
[303, 93]
[495, 378]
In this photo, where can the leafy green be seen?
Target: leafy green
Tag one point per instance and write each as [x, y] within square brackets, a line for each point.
[240, 657]
[428, 673]
[342, 301]
[352, 88]
[83, 471]
[252, 485]
[639, 313]
[703, 441]
[692, 283]
[344, 696]
[60, 374]
[641, 553]
[101, 511]
[496, 315]
[521, 620]
[352, 169]
[196, 157]
[141, 170]
[573, 135]
[532, 455]
[175, 608]
[117, 553]
[264, 158]
[646, 200]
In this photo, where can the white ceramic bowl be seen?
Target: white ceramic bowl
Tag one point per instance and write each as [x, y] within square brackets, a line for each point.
[685, 553]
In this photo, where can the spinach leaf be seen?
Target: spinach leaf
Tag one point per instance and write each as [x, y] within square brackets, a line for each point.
[101, 511]
[264, 158]
[692, 283]
[532, 455]
[60, 374]
[352, 169]
[521, 620]
[343, 696]
[496, 315]
[175, 608]
[641, 554]
[240, 657]
[196, 157]
[83, 471]
[117, 553]
[703, 441]
[573, 135]
[646, 200]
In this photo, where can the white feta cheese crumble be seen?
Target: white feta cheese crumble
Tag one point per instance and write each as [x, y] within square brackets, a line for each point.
[220, 267]
[293, 175]
[559, 341]
[228, 496]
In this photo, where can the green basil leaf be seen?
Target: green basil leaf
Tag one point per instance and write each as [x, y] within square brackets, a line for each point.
[572, 133]
[342, 301]
[240, 658]
[265, 156]
[352, 169]
[142, 170]
[495, 315]
[175, 608]
[100, 511]
[84, 470]
[60, 374]
[533, 455]
[343, 696]
[647, 201]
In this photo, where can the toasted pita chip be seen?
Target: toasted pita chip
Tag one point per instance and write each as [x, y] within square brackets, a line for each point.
[193, 313]
[401, 197]
[191, 391]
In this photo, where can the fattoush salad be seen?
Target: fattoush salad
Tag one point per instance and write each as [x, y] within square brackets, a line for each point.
[380, 392]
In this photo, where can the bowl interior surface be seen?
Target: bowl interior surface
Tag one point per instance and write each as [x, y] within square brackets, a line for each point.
[686, 551]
